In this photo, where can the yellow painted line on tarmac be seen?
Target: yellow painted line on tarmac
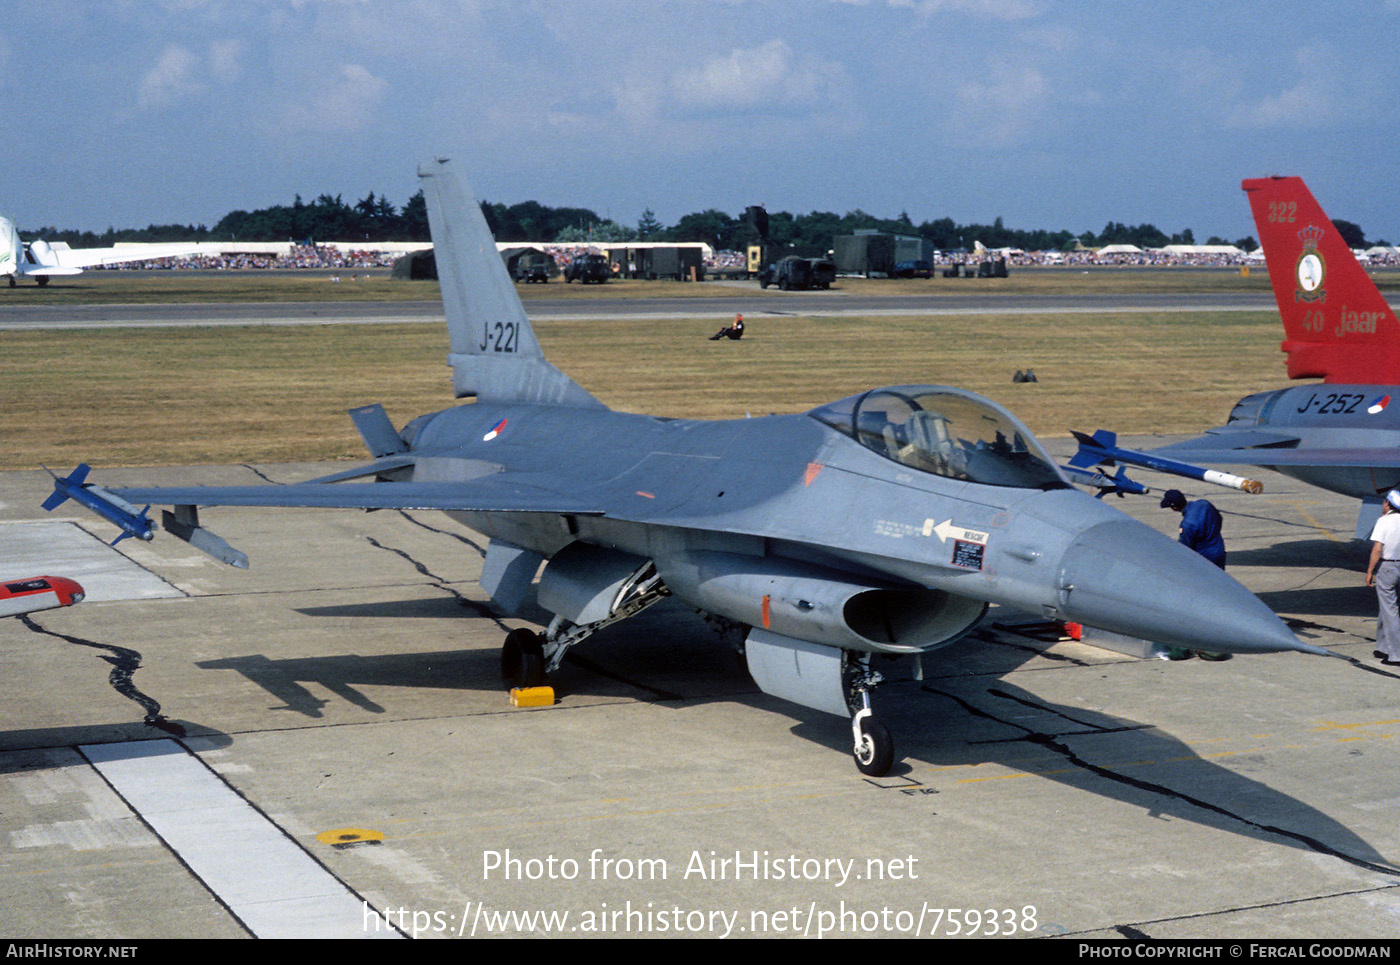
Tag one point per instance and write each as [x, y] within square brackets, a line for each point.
[1326, 725]
[1312, 521]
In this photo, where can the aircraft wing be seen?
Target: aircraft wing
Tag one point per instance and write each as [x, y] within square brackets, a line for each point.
[88, 257]
[496, 493]
[1216, 451]
[49, 270]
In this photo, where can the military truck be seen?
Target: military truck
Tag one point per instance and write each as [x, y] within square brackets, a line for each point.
[586, 268]
[794, 272]
[864, 254]
[534, 267]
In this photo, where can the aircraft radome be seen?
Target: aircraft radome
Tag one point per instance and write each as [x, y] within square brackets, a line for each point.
[1342, 435]
[879, 526]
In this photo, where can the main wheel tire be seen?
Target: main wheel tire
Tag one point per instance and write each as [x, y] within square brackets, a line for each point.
[522, 659]
[875, 755]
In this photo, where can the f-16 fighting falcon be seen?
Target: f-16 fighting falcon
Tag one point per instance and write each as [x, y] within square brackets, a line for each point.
[1342, 435]
[881, 525]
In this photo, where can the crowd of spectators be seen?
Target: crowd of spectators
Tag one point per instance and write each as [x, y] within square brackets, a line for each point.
[1144, 258]
[331, 256]
[564, 255]
[726, 261]
[299, 256]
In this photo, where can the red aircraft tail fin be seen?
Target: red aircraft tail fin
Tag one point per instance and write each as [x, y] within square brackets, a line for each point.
[1337, 325]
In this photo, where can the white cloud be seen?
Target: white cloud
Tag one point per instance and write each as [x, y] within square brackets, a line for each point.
[347, 102]
[174, 77]
[225, 60]
[747, 78]
[991, 9]
[1005, 107]
[770, 79]
[1312, 100]
[179, 73]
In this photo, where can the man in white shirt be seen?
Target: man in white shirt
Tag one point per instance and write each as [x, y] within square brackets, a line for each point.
[1383, 572]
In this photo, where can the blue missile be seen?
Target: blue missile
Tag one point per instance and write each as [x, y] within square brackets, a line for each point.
[1118, 483]
[132, 521]
[1103, 446]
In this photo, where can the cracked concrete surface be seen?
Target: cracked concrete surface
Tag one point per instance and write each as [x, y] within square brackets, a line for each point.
[349, 680]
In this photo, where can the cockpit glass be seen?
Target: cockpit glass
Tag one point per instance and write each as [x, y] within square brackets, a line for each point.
[945, 433]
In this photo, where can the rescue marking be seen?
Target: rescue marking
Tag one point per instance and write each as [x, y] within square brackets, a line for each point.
[948, 528]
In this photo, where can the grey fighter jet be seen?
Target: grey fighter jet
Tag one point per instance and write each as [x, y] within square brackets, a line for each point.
[1342, 435]
[880, 525]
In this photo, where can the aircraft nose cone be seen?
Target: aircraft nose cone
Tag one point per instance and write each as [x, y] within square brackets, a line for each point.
[1124, 577]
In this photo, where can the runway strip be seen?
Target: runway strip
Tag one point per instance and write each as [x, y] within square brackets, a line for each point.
[273, 887]
[820, 304]
[701, 310]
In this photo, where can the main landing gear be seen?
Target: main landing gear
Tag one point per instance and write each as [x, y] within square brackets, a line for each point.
[522, 659]
[527, 657]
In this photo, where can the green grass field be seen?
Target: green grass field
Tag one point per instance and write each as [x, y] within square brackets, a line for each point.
[240, 394]
[227, 395]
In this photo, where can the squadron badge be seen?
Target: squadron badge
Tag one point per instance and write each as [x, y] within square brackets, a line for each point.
[1311, 270]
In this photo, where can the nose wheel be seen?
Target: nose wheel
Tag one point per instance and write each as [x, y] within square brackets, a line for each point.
[874, 747]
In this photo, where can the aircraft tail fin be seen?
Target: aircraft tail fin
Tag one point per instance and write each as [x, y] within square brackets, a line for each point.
[495, 356]
[10, 251]
[1337, 325]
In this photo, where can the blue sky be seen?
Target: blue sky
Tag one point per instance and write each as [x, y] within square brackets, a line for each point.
[1045, 113]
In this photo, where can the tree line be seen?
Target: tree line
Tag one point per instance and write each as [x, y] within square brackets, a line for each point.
[375, 218]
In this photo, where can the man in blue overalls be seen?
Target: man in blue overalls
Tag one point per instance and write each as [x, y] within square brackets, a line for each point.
[1200, 530]
[1200, 525]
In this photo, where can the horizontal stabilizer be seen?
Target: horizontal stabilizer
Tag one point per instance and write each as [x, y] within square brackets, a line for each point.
[377, 468]
[379, 434]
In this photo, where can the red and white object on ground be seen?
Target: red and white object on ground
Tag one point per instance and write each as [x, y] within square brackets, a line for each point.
[38, 593]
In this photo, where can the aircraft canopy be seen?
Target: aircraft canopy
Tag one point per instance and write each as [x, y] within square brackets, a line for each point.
[946, 432]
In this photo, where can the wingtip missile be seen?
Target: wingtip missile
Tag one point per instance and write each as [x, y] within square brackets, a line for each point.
[1117, 484]
[74, 486]
[1102, 447]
